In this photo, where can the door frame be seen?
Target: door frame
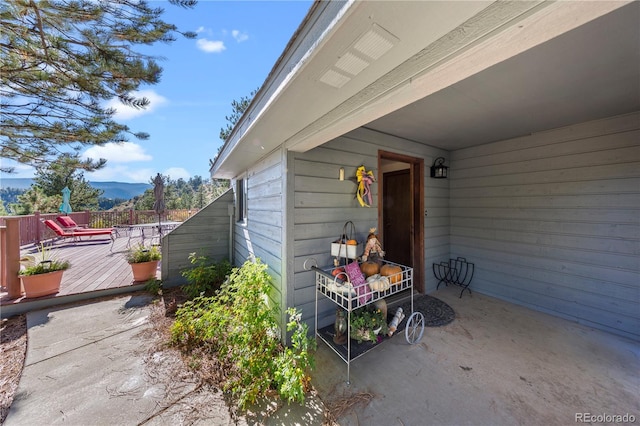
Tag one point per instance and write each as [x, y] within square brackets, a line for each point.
[416, 173]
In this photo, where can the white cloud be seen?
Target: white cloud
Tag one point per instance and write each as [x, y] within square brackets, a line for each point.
[19, 170]
[125, 152]
[200, 29]
[210, 46]
[176, 173]
[125, 112]
[124, 173]
[239, 36]
[120, 173]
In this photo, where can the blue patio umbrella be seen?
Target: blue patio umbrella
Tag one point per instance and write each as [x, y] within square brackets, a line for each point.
[65, 207]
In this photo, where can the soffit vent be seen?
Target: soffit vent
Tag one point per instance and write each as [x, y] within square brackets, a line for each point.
[351, 64]
[335, 79]
[367, 48]
[375, 42]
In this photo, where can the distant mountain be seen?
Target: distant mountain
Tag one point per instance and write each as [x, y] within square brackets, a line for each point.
[112, 190]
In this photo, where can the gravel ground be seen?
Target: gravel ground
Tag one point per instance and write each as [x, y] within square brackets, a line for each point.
[13, 350]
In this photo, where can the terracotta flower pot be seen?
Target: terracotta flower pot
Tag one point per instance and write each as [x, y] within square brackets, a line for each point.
[41, 284]
[144, 271]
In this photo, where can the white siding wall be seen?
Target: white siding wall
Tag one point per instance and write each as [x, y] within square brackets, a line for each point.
[322, 204]
[552, 221]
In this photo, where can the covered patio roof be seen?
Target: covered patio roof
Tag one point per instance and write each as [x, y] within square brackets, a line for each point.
[446, 74]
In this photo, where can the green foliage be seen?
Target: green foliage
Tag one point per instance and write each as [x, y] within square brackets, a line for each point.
[35, 200]
[61, 61]
[53, 177]
[153, 286]
[46, 263]
[240, 327]
[97, 223]
[292, 365]
[366, 320]
[238, 108]
[181, 194]
[46, 266]
[204, 276]
[140, 254]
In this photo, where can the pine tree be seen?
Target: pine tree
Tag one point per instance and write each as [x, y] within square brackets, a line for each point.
[60, 60]
[238, 107]
[52, 178]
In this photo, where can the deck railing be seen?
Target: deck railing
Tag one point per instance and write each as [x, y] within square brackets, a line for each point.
[32, 230]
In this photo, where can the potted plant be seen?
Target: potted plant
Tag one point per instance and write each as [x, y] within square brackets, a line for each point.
[368, 325]
[144, 262]
[44, 277]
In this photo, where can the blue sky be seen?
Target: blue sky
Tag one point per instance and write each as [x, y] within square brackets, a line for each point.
[237, 45]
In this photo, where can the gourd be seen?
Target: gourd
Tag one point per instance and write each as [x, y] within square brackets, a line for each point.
[393, 272]
[369, 268]
[378, 283]
[352, 243]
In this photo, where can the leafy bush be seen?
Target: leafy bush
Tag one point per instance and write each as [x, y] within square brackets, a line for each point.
[239, 326]
[153, 286]
[204, 276]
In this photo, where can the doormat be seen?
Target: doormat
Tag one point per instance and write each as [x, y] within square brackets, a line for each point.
[436, 312]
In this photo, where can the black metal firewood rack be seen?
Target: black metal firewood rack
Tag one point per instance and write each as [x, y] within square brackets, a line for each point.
[457, 272]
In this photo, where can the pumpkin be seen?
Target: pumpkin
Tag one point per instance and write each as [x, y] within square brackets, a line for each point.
[378, 283]
[352, 243]
[393, 272]
[369, 268]
[336, 271]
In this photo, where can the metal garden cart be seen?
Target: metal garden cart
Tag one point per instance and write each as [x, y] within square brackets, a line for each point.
[343, 295]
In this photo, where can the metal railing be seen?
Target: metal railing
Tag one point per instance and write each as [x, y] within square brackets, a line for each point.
[33, 231]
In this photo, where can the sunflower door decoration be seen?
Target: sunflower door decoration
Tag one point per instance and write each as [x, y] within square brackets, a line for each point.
[364, 180]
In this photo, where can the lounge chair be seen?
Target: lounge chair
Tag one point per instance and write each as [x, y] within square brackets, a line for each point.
[68, 224]
[78, 233]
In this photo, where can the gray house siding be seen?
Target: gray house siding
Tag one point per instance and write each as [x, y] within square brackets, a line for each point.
[206, 232]
[552, 221]
[323, 203]
[261, 235]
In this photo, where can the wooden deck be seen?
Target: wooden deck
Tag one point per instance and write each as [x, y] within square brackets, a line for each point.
[97, 269]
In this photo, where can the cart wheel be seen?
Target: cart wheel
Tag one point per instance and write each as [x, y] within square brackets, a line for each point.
[415, 328]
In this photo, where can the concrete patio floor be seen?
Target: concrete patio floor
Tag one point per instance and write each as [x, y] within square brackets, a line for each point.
[496, 364]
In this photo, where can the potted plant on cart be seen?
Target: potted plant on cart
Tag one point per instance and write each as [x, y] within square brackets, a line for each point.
[144, 262]
[44, 277]
[368, 324]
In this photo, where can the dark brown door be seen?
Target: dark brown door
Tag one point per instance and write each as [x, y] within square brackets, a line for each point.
[401, 212]
[397, 218]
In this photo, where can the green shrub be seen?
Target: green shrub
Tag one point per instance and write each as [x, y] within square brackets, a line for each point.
[239, 326]
[204, 276]
[153, 286]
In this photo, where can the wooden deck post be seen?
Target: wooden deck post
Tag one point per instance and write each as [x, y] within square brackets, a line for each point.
[37, 226]
[11, 256]
[3, 256]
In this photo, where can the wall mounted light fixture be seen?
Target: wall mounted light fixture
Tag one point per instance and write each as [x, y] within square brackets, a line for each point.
[341, 173]
[439, 170]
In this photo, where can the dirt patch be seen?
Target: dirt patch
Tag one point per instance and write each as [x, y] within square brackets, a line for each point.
[13, 351]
